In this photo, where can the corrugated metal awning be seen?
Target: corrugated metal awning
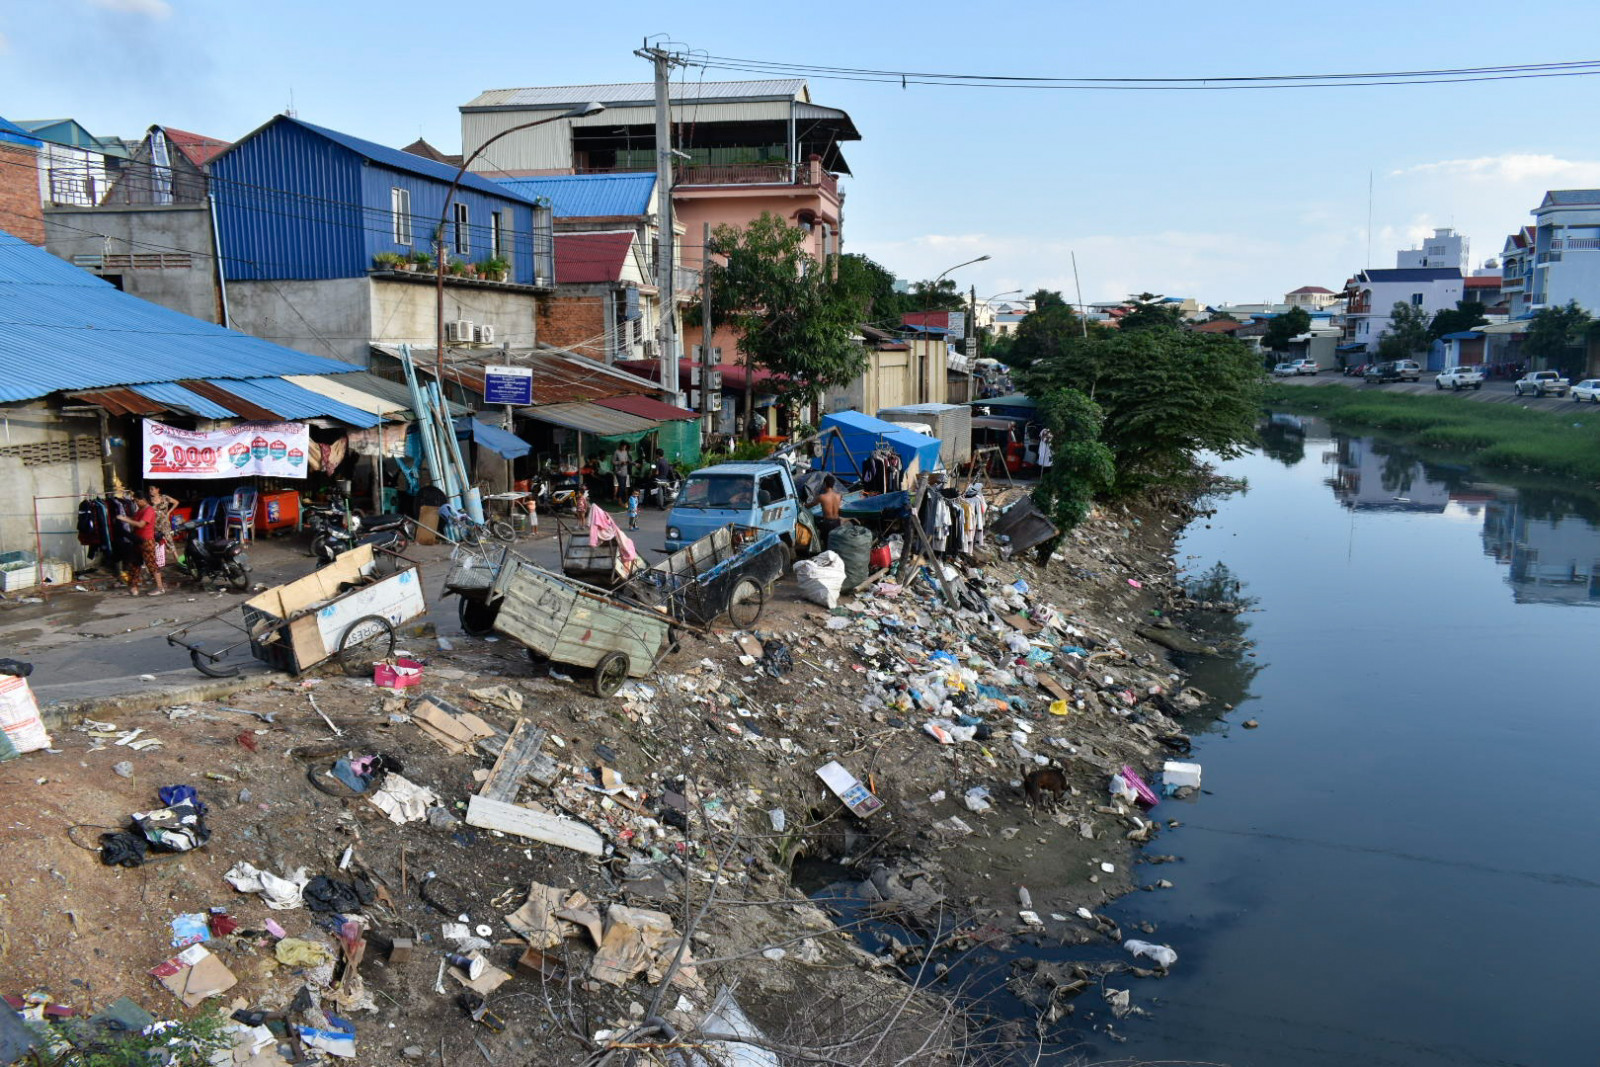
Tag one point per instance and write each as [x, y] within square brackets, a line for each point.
[591, 418]
[176, 397]
[290, 401]
[120, 401]
[347, 393]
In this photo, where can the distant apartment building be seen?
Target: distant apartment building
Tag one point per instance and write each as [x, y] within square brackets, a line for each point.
[1516, 273]
[1446, 248]
[1310, 297]
[1372, 294]
[1566, 250]
[742, 148]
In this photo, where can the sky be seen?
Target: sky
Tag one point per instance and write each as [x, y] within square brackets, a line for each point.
[1224, 196]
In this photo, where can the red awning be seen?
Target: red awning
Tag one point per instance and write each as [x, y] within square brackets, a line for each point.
[647, 408]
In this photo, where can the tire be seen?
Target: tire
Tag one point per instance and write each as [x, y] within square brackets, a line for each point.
[1477, 385]
[238, 575]
[208, 666]
[745, 603]
[610, 673]
[471, 535]
[477, 618]
[368, 639]
[408, 530]
[1455, 387]
[319, 547]
[785, 558]
[503, 531]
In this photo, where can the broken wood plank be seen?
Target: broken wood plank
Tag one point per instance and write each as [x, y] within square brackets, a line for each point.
[519, 759]
[488, 814]
[1053, 687]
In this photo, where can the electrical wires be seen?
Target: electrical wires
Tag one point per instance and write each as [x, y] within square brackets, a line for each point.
[906, 78]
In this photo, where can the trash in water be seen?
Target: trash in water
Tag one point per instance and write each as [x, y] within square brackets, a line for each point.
[1163, 955]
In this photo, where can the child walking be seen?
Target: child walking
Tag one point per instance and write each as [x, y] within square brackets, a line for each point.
[633, 510]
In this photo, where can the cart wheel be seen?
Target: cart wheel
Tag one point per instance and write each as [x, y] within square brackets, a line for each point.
[208, 664]
[503, 531]
[610, 673]
[477, 618]
[744, 606]
[471, 535]
[369, 639]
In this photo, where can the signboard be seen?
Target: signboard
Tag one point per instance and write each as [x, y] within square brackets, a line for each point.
[272, 449]
[508, 385]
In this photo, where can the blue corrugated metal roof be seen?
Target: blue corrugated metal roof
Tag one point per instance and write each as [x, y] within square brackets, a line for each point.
[1462, 335]
[63, 328]
[293, 402]
[405, 161]
[175, 395]
[1411, 274]
[14, 134]
[588, 195]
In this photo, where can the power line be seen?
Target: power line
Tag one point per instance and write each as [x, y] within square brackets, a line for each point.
[904, 78]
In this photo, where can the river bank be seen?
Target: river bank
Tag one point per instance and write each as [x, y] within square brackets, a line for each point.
[1560, 442]
[681, 778]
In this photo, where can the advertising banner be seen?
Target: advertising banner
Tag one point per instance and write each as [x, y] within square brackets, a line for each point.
[272, 449]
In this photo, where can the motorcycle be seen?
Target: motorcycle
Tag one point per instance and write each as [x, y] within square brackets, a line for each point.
[391, 531]
[220, 559]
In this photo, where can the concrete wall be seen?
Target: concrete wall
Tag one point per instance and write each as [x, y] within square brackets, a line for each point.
[405, 312]
[43, 453]
[162, 254]
[327, 317]
[20, 212]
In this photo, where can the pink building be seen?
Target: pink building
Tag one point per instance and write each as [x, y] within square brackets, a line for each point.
[752, 147]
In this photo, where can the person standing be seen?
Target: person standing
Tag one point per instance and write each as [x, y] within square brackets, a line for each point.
[166, 544]
[143, 524]
[633, 510]
[622, 466]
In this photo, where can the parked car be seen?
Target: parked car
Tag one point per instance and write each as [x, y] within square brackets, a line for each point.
[1355, 370]
[1540, 383]
[1588, 389]
[1459, 378]
[1284, 370]
[1378, 373]
[1410, 370]
[1305, 366]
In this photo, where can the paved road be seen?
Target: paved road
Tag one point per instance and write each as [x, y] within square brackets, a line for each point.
[1493, 392]
[98, 644]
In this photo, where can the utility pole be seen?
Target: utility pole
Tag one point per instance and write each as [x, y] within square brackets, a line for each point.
[1083, 312]
[708, 357]
[667, 327]
[972, 336]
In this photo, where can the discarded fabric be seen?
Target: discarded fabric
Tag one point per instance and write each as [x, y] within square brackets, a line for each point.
[279, 894]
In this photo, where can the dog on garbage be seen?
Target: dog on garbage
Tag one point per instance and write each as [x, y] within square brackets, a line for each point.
[1041, 781]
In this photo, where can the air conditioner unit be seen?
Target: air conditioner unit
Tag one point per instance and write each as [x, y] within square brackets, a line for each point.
[458, 332]
[714, 402]
[483, 335]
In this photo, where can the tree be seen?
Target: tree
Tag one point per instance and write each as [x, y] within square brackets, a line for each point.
[1167, 396]
[1407, 333]
[875, 284]
[1081, 465]
[792, 316]
[1046, 298]
[1464, 316]
[1556, 336]
[1282, 328]
[1150, 312]
[1043, 333]
[941, 295]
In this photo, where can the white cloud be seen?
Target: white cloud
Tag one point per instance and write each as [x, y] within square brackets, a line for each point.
[156, 9]
[1514, 168]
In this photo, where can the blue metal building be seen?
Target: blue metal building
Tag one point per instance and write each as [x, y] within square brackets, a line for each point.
[588, 195]
[298, 201]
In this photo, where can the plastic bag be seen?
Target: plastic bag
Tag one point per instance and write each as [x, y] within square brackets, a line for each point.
[19, 715]
[1162, 955]
[821, 578]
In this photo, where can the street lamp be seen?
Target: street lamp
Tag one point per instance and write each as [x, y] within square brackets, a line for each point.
[576, 113]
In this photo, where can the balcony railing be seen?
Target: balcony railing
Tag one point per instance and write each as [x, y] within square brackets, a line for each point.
[132, 186]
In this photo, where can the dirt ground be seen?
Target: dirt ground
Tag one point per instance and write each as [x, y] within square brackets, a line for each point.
[713, 735]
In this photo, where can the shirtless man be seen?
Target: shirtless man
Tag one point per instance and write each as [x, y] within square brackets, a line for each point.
[830, 500]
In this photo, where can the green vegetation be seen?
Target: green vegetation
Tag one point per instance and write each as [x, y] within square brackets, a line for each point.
[1407, 334]
[1504, 437]
[1285, 327]
[172, 1044]
[1464, 316]
[1082, 465]
[1556, 339]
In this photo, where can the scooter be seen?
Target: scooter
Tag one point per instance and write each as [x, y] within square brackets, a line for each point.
[216, 559]
[390, 530]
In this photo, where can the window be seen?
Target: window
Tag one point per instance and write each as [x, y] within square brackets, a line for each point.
[400, 206]
[499, 247]
[1416, 300]
[463, 238]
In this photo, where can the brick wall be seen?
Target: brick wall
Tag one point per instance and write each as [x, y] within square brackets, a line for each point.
[20, 211]
[575, 322]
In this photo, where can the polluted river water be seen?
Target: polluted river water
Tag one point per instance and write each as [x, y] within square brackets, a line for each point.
[1400, 866]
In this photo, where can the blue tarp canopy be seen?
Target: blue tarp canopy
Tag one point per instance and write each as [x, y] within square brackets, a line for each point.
[861, 435]
[498, 441]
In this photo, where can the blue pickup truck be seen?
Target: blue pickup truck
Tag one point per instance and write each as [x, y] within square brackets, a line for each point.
[759, 493]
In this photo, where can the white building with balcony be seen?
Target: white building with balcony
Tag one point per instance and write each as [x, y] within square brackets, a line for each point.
[1374, 293]
[1566, 250]
[1446, 248]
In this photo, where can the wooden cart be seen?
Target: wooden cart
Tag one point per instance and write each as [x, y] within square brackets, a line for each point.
[346, 611]
[569, 622]
[731, 569]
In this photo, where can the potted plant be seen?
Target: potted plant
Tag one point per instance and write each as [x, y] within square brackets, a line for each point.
[469, 270]
[456, 269]
[421, 260]
[494, 268]
[388, 260]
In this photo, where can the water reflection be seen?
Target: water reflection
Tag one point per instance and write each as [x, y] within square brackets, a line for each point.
[1547, 541]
